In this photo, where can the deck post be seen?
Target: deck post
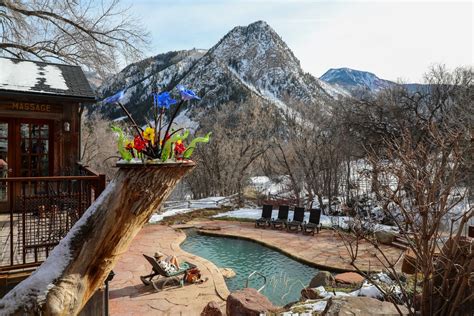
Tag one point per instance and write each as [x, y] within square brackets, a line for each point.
[81, 262]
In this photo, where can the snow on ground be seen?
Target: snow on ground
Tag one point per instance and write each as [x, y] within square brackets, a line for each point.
[183, 207]
[265, 185]
[311, 307]
[326, 221]
[183, 121]
[255, 213]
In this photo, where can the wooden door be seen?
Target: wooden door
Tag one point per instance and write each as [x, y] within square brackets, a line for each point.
[6, 159]
[25, 151]
[34, 155]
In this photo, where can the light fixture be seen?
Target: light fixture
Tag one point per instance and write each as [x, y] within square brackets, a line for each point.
[67, 126]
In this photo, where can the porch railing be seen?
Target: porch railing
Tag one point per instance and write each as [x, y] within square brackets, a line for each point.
[41, 210]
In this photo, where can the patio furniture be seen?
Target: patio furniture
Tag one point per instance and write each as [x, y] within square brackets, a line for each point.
[266, 216]
[282, 217]
[297, 221]
[157, 270]
[313, 222]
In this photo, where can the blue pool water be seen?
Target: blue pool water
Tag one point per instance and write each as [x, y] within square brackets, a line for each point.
[285, 276]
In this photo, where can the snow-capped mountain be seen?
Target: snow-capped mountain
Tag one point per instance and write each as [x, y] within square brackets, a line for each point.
[249, 62]
[355, 81]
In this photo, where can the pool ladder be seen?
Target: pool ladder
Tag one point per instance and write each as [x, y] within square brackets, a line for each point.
[251, 275]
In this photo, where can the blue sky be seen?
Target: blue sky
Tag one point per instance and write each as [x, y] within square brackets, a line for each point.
[393, 39]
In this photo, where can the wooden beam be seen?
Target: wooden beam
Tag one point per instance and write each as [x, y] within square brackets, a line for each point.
[96, 242]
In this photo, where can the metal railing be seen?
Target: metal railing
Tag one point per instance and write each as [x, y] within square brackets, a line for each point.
[41, 210]
[258, 273]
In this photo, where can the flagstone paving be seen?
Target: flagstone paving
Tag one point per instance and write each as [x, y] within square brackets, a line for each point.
[129, 297]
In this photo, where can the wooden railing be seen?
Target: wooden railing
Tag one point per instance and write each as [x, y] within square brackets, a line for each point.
[41, 210]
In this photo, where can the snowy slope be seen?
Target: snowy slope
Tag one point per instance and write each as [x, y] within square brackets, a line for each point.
[355, 80]
[249, 62]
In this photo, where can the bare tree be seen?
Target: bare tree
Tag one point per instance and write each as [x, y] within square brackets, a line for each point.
[97, 144]
[241, 134]
[94, 34]
[422, 181]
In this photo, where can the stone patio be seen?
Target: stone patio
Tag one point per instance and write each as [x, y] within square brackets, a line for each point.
[128, 296]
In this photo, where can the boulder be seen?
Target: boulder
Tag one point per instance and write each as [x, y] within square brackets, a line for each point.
[385, 237]
[227, 273]
[349, 278]
[361, 306]
[212, 309]
[323, 278]
[248, 302]
[309, 294]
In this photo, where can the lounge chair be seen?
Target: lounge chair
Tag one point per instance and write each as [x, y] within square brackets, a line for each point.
[266, 216]
[282, 217]
[297, 221]
[313, 223]
[157, 270]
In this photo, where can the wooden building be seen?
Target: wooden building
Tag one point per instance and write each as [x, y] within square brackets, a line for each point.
[39, 116]
[43, 189]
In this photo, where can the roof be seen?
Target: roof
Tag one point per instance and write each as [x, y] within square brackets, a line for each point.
[41, 78]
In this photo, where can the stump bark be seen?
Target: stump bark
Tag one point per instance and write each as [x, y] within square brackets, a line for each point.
[96, 241]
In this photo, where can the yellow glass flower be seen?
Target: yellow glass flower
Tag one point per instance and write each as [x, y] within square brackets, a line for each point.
[129, 144]
[149, 134]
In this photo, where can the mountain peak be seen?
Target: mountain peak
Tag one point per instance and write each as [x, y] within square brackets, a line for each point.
[259, 25]
[355, 80]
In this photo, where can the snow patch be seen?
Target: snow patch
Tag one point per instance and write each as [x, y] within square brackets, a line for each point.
[25, 75]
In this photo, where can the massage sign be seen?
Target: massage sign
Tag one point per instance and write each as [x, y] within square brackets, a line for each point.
[33, 107]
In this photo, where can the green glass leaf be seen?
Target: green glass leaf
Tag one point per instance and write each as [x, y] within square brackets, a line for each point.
[189, 151]
[166, 153]
[126, 155]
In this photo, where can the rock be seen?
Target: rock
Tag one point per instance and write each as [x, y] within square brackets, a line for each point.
[349, 278]
[385, 237]
[309, 293]
[212, 309]
[309, 307]
[323, 278]
[227, 273]
[248, 302]
[361, 306]
[210, 227]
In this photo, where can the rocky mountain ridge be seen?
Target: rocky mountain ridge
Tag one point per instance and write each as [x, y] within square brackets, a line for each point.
[249, 62]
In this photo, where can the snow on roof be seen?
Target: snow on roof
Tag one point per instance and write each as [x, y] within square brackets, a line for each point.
[45, 78]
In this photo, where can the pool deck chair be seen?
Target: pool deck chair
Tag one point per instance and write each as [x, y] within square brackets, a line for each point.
[266, 216]
[282, 219]
[157, 270]
[297, 221]
[313, 223]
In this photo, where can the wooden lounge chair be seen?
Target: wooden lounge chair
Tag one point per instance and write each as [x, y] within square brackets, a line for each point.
[282, 219]
[266, 216]
[157, 270]
[313, 223]
[297, 221]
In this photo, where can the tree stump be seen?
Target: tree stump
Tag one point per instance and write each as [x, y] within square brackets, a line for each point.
[78, 266]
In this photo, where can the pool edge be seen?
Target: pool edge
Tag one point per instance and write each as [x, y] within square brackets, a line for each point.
[286, 253]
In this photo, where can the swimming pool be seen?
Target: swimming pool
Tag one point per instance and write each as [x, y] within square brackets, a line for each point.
[285, 276]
